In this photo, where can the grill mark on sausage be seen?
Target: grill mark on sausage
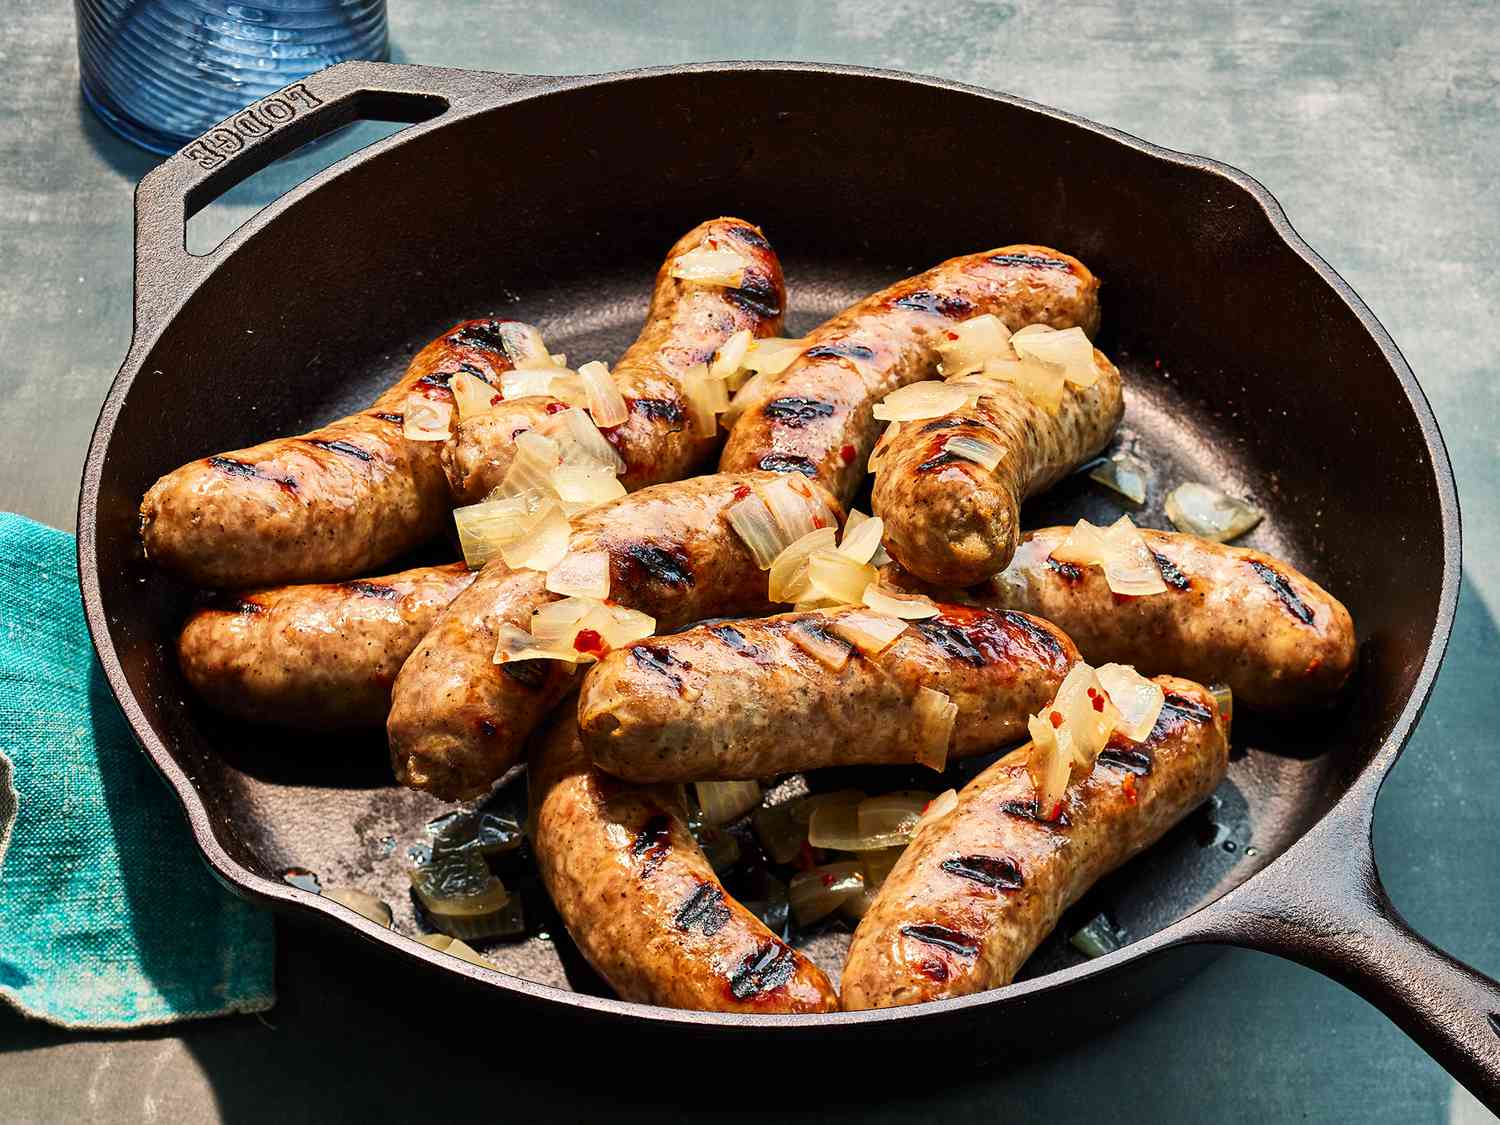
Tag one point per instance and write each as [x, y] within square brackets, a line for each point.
[756, 296]
[436, 379]
[788, 463]
[642, 562]
[484, 335]
[924, 300]
[768, 968]
[342, 447]
[230, 467]
[1037, 261]
[1071, 573]
[1188, 708]
[373, 590]
[657, 409]
[704, 910]
[749, 236]
[1138, 762]
[1043, 638]
[1289, 599]
[947, 423]
[971, 642]
[838, 350]
[1000, 873]
[737, 643]
[796, 412]
[1171, 574]
[659, 661]
[396, 419]
[653, 843]
[944, 458]
[527, 673]
[1027, 810]
[955, 941]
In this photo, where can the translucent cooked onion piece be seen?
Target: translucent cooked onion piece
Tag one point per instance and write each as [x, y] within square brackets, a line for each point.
[939, 807]
[606, 403]
[579, 441]
[862, 535]
[792, 506]
[1130, 569]
[730, 356]
[757, 528]
[1138, 700]
[530, 472]
[619, 626]
[1082, 717]
[527, 382]
[484, 528]
[569, 388]
[966, 347]
[710, 267]
[484, 832]
[706, 398]
[724, 802]
[581, 487]
[789, 579]
[915, 401]
[1125, 474]
[892, 603]
[890, 819]
[1049, 766]
[1085, 545]
[513, 643]
[772, 355]
[361, 903]
[1040, 383]
[459, 895]
[818, 892]
[878, 864]
[985, 454]
[472, 395]
[780, 833]
[1224, 698]
[582, 574]
[524, 344]
[557, 623]
[1198, 509]
[425, 419]
[882, 446]
[835, 577]
[1068, 350]
[559, 359]
[543, 544]
[871, 633]
[934, 713]
[812, 638]
[835, 825]
[1098, 937]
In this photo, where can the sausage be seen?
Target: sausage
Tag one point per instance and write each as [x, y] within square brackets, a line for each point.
[323, 656]
[949, 519]
[977, 890]
[640, 899]
[458, 720]
[740, 699]
[686, 324]
[816, 417]
[326, 505]
[1229, 615]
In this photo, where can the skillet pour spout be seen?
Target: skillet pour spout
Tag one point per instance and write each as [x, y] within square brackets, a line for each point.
[501, 171]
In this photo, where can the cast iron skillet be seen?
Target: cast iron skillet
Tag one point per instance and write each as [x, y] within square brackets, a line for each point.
[1249, 362]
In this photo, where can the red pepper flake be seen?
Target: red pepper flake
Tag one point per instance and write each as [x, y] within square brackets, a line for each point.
[556, 407]
[1057, 720]
[495, 399]
[827, 879]
[517, 433]
[1128, 785]
[1158, 364]
[818, 521]
[713, 243]
[847, 453]
[1098, 703]
[742, 491]
[1092, 693]
[951, 335]
[1057, 808]
[589, 640]
[1314, 664]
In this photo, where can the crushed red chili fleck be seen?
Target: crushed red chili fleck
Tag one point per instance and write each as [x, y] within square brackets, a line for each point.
[847, 453]
[1314, 664]
[818, 521]
[1057, 720]
[1056, 811]
[588, 640]
[952, 335]
[1099, 703]
[1128, 785]
[742, 491]
[827, 880]
[556, 407]
[495, 399]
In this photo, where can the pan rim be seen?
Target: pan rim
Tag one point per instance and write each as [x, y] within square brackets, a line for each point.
[1357, 800]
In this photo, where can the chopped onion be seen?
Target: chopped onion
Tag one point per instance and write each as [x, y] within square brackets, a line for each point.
[791, 507]
[935, 714]
[939, 807]
[861, 536]
[1081, 716]
[1131, 568]
[523, 344]
[789, 580]
[838, 578]
[514, 644]
[803, 808]
[818, 892]
[810, 637]
[724, 802]
[425, 419]
[1138, 699]
[1124, 473]
[835, 825]
[779, 832]
[459, 895]
[731, 355]
[581, 487]
[1068, 350]
[559, 359]
[709, 267]
[556, 624]
[878, 864]
[472, 395]
[361, 903]
[567, 386]
[530, 472]
[1224, 698]
[908, 607]
[1198, 509]
[881, 447]
[619, 625]
[1085, 545]
[889, 820]
[772, 355]
[579, 441]
[753, 523]
[527, 382]
[1049, 767]
[488, 833]
[583, 574]
[484, 528]
[606, 403]
[542, 544]
[967, 347]
[871, 633]
[1098, 937]
[985, 454]
[1040, 383]
[706, 399]
[927, 399]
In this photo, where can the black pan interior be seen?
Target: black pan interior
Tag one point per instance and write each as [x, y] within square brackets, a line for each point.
[1243, 369]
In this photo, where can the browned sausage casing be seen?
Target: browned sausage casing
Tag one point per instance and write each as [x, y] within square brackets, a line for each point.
[951, 520]
[740, 699]
[976, 891]
[458, 720]
[318, 656]
[816, 417]
[687, 322]
[1229, 615]
[322, 506]
[640, 899]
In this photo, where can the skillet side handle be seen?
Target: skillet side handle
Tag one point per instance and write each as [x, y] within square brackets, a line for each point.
[1323, 906]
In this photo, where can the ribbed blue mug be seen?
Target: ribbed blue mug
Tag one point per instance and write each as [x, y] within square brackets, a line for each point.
[161, 72]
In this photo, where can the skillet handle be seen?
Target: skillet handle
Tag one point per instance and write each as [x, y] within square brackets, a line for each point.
[1322, 904]
[269, 129]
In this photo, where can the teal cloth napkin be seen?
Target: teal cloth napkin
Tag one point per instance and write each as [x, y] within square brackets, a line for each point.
[108, 915]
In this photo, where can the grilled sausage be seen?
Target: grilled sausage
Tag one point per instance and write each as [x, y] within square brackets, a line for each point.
[458, 720]
[640, 899]
[949, 519]
[322, 657]
[1229, 615]
[326, 505]
[816, 417]
[978, 889]
[741, 699]
[686, 324]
